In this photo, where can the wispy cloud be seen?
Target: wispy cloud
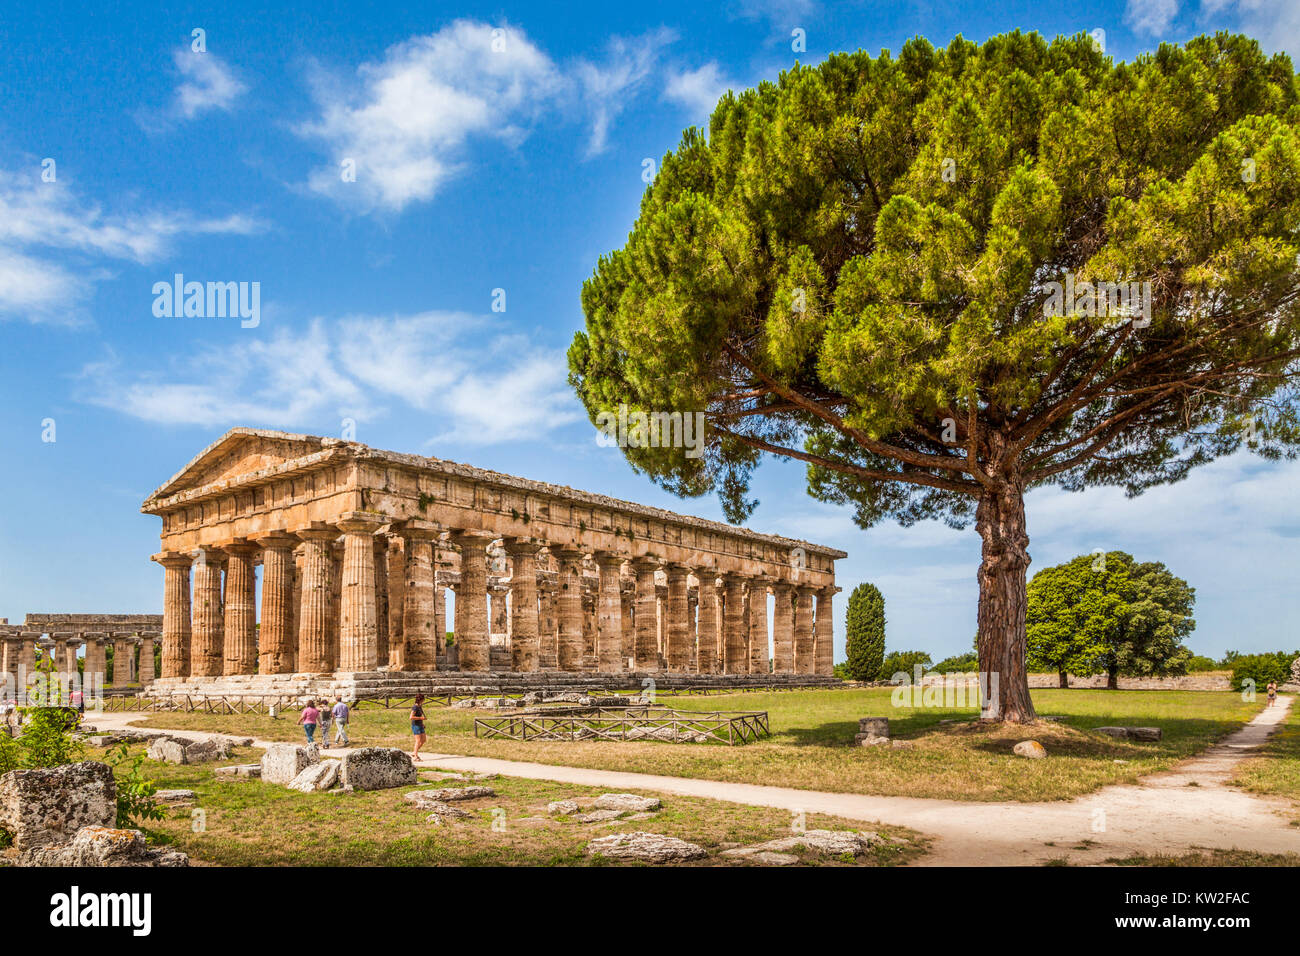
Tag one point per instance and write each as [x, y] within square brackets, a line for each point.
[477, 383]
[697, 90]
[609, 86]
[1150, 17]
[1275, 23]
[55, 246]
[207, 83]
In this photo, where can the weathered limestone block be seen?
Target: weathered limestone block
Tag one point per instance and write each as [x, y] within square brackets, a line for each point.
[48, 806]
[1031, 749]
[174, 796]
[249, 771]
[421, 797]
[875, 726]
[1132, 733]
[105, 846]
[598, 816]
[283, 762]
[378, 768]
[562, 807]
[828, 842]
[626, 801]
[316, 777]
[179, 750]
[440, 813]
[651, 847]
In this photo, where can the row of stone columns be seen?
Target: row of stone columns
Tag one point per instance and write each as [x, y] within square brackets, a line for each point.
[380, 604]
[18, 655]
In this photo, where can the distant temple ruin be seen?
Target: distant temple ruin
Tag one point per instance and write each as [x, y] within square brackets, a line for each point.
[357, 548]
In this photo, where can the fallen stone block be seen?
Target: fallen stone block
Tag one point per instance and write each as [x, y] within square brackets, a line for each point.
[316, 777]
[828, 842]
[104, 846]
[870, 740]
[763, 857]
[42, 807]
[875, 726]
[562, 807]
[598, 816]
[174, 796]
[650, 847]
[440, 813]
[626, 801]
[1147, 734]
[283, 762]
[378, 768]
[448, 794]
[249, 771]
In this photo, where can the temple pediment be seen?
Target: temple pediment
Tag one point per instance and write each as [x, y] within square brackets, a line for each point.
[239, 453]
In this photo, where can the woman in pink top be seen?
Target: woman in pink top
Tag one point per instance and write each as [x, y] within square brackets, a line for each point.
[308, 720]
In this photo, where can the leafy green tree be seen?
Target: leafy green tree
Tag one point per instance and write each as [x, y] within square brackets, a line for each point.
[865, 633]
[1073, 612]
[904, 662]
[863, 267]
[959, 664]
[1106, 612]
[1153, 625]
[1262, 668]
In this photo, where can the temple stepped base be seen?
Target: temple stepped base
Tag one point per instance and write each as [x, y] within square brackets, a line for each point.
[374, 684]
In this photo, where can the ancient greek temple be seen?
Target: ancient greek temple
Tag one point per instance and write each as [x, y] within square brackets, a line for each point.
[358, 548]
[61, 639]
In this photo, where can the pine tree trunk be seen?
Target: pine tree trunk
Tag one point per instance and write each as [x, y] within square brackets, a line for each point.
[1000, 521]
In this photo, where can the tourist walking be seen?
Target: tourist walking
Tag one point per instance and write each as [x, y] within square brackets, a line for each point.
[341, 715]
[310, 715]
[417, 725]
[324, 724]
[1272, 693]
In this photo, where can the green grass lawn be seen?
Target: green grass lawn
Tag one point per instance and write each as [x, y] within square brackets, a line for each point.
[247, 822]
[812, 732]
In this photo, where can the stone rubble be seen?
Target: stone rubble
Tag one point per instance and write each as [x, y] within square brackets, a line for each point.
[378, 768]
[105, 846]
[281, 763]
[1031, 749]
[316, 777]
[626, 801]
[49, 806]
[649, 847]
[1147, 734]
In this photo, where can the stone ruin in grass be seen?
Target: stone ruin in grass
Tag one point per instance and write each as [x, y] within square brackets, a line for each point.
[301, 768]
[67, 816]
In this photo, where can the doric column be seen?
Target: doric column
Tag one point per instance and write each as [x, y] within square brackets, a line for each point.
[706, 625]
[734, 639]
[569, 600]
[782, 629]
[336, 602]
[646, 651]
[590, 626]
[678, 629]
[241, 610]
[824, 630]
[609, 613]
[27, 652]
[804, 638]
[121, 662]
[627, 593]
[146, 660]
[760, 661]
[207, 643]
[471, 602]
[315, 650]
[10, 650]
[95, 662]
[396, 602]
[418, 619]
[524, 624]
[548, 644]
[277, 638]
[358, 616]
[176, 613]
[380, 545]
[440, 627]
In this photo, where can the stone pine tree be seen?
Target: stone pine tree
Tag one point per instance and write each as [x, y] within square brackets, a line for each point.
[1107, 613]
[945, 278]
[865, 633]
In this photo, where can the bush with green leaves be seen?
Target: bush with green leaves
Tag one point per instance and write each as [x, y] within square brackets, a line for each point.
[1262, 668]
[865, 628]
[1199, 663]
[47, 737]
[904, 662]
[967, 663]
[136, 793]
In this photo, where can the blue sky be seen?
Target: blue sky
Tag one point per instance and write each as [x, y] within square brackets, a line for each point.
[477, 170]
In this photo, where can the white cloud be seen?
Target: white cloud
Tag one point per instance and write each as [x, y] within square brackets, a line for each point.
[477, 385]
[698, 90]
[207, 83]
[779, 12]
[608, 87]
[43, 222]
[1152, 17]
[406, 120]
[1275, 23]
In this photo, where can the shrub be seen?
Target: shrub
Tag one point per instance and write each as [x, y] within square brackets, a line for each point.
[1262, 668]
[904, 662]
[967, 663]
[135, 793]
[47, 739]
[1199, 662]
[865, 628]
